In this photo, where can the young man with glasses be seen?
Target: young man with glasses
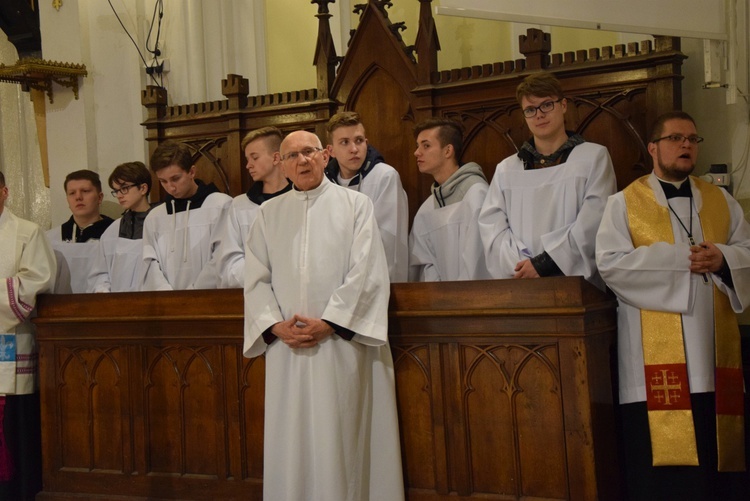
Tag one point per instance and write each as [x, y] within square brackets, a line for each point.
[544, 204]
[181, 236]
[76, 242]
[676, 251]
[357, 165]
[316, 303]
[118, 266]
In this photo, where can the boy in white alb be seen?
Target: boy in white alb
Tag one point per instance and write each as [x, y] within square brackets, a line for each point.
[181, 236]
[261, 148]
[360, 167]
[118, 266]
[444, 244]
[76, 242]
[545, 203]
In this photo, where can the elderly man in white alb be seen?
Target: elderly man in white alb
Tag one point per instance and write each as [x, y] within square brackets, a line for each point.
[316, 302]
[27, 267]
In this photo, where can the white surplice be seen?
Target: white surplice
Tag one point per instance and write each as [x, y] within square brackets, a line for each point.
[27, 265]
[236, 227]
[331, 428]
[383, 185]
[179, 249]
[444, 241]
[554, 209]
[73, 262]
[118, 266]
[657, 277]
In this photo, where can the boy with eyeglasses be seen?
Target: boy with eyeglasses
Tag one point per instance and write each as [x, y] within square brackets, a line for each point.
[181, 236]
[118, 266]
[261, 147]
[544, 204]
[358, 166]
[76, 242]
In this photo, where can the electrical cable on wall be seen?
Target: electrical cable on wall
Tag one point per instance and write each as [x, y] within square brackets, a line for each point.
[158, 10]
[154, 67]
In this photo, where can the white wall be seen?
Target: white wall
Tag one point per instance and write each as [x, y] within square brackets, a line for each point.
[203, 40]
[102, 128]
[723, 124]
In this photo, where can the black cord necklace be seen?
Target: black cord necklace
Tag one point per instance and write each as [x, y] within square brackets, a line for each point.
[690, 231]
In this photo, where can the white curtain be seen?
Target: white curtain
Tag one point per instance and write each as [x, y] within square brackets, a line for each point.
[205, 40]
[20, 160]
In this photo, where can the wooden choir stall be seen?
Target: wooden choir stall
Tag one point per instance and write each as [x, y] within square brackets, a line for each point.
[504, 391]
[505, 388]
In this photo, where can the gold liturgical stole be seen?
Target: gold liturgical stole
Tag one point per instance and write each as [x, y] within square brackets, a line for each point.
[670, 414]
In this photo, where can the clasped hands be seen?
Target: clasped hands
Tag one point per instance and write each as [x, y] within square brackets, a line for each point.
[524, 269]
[302, 332]
[705, 258]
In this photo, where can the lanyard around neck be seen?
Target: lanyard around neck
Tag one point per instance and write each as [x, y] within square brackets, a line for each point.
[690, 231]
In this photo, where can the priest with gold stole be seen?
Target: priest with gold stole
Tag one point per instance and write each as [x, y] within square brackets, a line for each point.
[27, 267]
[676, 251]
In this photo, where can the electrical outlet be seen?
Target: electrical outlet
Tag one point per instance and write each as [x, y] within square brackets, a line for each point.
[155, 68]
[718, 179]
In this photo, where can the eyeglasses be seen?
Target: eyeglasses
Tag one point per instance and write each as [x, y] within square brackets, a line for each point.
[123, 190]
[679, 139]
[545, 107]
[293, 156]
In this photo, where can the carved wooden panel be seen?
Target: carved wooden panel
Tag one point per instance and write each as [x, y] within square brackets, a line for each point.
[252, 392]
[498, 402]
[423, 450]
[207, 157]
[158, 404]
[503, 388]
[92, 390]
[385, 107]
[180, 410]
[618, 120]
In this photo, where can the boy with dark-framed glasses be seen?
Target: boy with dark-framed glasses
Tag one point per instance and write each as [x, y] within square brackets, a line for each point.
[544, 204]
[118, 267]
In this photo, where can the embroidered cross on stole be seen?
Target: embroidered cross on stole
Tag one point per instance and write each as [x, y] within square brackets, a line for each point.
[667, 388]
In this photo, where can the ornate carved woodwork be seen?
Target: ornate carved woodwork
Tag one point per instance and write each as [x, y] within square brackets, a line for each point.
[504, 392]
[38, 74]
[615, 93]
